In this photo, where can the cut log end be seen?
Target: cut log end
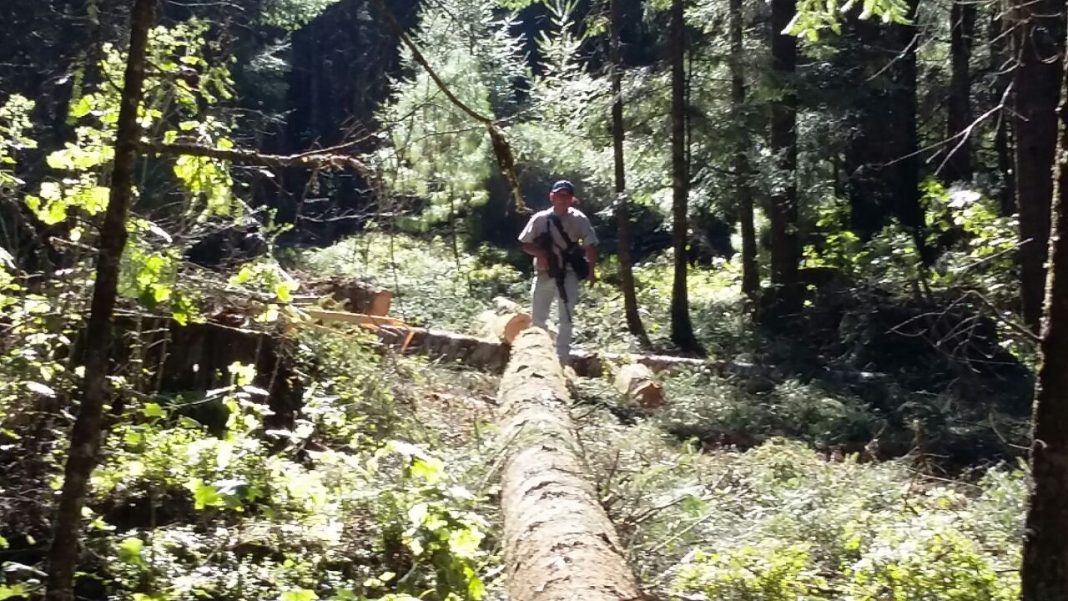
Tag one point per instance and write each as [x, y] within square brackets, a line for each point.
[504, 327]
[637, 383]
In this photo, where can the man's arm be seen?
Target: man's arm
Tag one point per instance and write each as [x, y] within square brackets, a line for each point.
[534, 250]
[527, 242]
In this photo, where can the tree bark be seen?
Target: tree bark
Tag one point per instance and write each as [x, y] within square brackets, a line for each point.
[1044, 573]
[742, 172]
[959, 111]
[681, 327]
[558, 542]
[87, 432]
[626, 270]
[785, 245]
[1038, 43]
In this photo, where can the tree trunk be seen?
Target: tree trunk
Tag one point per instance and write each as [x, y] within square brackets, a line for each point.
[626, 272]
[87, 433]
[1044, 573]
[558, 542]
[959, 112]
[785, 245]
[1038, 43]
[742, 171]
[999, 59]
[882, 161]
[681, 327]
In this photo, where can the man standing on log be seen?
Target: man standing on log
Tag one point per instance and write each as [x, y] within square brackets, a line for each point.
[564, 246]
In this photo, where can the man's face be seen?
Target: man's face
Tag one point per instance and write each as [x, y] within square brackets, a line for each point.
[561, 200]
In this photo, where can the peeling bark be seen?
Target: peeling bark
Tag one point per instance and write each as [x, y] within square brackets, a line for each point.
[559, 544]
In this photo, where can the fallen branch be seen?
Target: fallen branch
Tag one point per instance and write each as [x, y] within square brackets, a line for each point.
[252, 157]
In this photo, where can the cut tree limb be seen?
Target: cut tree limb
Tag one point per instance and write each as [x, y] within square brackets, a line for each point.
[636, 382]
[559, 544]
[357, 296]
[361, 319]
[487, 355]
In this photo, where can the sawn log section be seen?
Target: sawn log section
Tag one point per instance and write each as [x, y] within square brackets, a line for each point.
[559, 544]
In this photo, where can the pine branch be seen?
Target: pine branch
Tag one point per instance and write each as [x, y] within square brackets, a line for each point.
[501, 148]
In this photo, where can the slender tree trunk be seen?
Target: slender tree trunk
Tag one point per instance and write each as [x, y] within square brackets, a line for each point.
[908, 209]
[87, 433]
[882, 161]
[999, 60]
[626, 271]
[1039, 41]
[742, 171]
[681, 327]
[785, 245]
[962, 32]
[1044, 574]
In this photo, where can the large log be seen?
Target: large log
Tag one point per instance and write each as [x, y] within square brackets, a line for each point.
[636, 382]
[480, 353]
[559, 544]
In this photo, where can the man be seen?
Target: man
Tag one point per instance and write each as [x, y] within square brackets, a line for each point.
[547, 237]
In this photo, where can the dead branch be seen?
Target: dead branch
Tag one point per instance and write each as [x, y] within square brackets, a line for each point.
[251, 157]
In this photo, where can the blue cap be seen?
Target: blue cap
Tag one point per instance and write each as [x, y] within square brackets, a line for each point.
[564, 186]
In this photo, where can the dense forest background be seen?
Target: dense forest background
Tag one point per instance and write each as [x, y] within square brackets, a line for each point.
[842, 214]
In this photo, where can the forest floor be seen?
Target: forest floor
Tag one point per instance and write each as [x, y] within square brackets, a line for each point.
[780, 486]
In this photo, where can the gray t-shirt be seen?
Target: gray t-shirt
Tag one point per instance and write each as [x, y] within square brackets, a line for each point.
[575, 224]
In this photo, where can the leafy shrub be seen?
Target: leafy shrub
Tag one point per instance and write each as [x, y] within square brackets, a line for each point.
[770, 572]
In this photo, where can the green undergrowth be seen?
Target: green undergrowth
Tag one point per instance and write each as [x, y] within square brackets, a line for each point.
[783, 522]
[435, 285]
[378, 490]
[811, 391]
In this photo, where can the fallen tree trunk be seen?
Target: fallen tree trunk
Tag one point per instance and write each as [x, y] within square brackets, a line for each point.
[487, 355]
[592, 365]
[558, 542]
[636, 382]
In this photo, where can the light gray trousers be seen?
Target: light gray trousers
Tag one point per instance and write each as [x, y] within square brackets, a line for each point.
[543, 292]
